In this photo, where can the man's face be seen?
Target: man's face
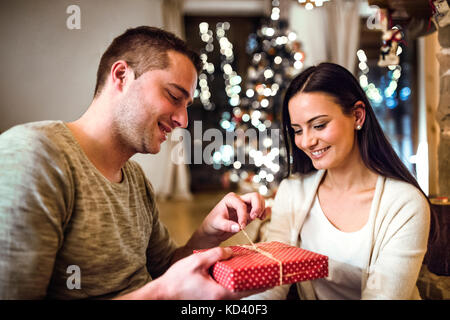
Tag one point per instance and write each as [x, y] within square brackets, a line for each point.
[154, 104]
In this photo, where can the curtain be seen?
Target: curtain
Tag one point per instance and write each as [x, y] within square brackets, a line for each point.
[312, 32]
[173, 16]
[343, 31]
[329, 33]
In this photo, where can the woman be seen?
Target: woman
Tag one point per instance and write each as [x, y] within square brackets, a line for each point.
[348, 195]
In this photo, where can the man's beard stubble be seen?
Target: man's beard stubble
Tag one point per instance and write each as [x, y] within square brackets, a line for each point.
[130, 132]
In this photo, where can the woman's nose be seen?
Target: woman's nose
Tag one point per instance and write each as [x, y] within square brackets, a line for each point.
[308, 140]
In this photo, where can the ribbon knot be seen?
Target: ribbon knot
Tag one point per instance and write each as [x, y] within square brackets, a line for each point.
[253, 247]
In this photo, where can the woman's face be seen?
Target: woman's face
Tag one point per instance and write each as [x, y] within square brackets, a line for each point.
[322, 130]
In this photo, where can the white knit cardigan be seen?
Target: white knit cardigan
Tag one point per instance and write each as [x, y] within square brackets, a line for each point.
[399, 236]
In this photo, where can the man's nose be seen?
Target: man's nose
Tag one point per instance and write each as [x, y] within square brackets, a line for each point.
[180, 118]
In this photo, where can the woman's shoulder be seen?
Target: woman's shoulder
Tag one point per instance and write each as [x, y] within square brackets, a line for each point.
[400, 196]
[299, 185]
[298, 179]
[403, 191]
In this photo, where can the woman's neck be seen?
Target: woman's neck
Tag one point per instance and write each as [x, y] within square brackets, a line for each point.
[352, 176]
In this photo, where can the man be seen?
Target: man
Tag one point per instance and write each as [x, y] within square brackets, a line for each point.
[70, 199]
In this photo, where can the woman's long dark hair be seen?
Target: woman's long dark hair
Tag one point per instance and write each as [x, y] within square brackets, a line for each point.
[376, 151]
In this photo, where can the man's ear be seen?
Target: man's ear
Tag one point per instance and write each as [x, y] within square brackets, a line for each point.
[359, 112]
[121, 74]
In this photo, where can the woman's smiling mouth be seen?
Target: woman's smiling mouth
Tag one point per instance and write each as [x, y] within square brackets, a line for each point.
[319, 153]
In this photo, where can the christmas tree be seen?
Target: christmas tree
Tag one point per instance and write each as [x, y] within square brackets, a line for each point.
[276, 57]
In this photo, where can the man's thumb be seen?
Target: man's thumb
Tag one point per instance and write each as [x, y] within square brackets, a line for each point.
[211, 256]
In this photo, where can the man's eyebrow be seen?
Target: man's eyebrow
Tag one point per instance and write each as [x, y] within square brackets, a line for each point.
[182, 90]
[310, 120]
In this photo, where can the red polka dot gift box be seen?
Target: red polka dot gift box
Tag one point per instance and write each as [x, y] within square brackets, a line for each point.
[268, 264]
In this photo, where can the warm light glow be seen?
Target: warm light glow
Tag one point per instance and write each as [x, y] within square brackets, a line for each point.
[311, 4]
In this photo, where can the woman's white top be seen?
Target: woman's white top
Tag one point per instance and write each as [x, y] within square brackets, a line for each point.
[346, 252]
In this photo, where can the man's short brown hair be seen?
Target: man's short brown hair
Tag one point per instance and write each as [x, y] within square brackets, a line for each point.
[143, 48]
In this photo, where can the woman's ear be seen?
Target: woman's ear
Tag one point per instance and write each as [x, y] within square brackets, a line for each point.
[359, 112]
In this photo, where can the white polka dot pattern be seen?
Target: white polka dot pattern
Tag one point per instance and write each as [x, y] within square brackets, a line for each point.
[248, 269]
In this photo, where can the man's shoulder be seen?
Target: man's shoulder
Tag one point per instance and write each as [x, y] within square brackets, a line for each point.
[32, 131]
[33, 142]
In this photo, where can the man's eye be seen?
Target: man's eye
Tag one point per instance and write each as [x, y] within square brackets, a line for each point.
[173, 96]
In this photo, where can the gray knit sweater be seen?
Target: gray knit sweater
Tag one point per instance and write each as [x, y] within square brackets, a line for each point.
[66, 232]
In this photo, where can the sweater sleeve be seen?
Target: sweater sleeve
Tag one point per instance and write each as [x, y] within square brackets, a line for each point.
[400, 246]
[34, 205]
[161, 247]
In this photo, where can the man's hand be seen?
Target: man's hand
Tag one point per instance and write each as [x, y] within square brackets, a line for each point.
[189, 279]
[231, 214]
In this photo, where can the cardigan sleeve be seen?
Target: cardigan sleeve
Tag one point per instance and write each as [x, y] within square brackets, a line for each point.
[400, 244]
[282, 218]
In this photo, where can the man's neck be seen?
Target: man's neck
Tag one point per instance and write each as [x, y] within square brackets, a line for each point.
[95, 134]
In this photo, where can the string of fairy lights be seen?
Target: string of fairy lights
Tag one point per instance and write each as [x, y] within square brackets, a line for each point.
[231, 78]
[208, 68]
[311, 4]
[275, 58]
[377, 95]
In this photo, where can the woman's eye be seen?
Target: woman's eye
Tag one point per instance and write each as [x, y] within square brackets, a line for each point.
[320, 126]
[299, 131]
